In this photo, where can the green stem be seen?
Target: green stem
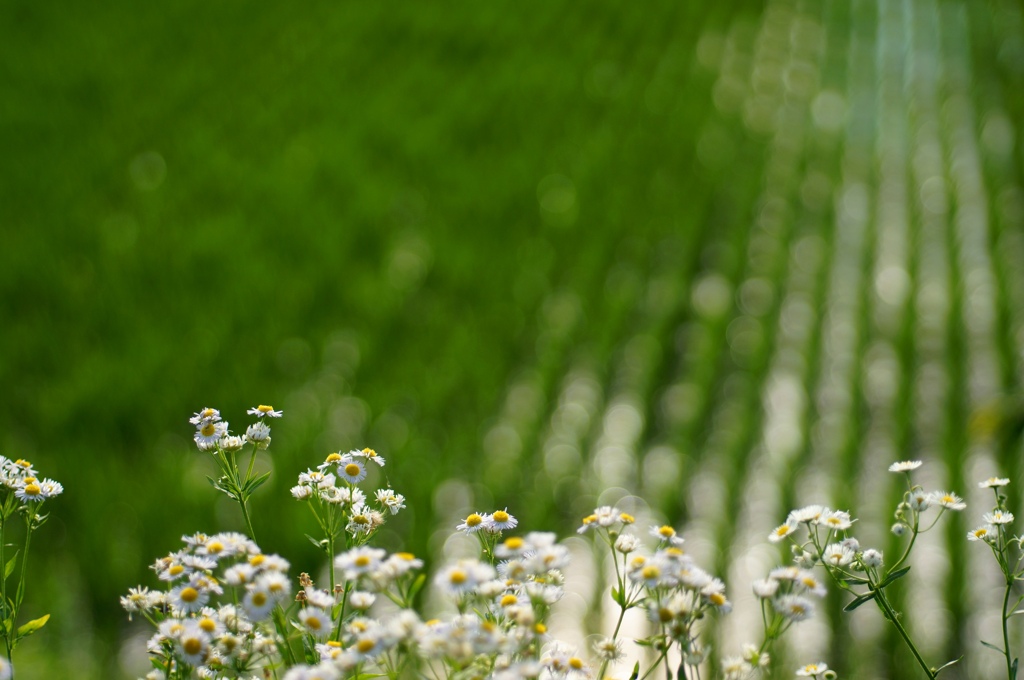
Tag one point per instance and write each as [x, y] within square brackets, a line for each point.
[248, 521]
[1006, 634]
[890, 614]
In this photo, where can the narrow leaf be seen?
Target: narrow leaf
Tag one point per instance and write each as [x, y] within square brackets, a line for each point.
[946, 665]
[893, 576]
[866, 597]
[257, 482]
[33, 625]
[9, 568]
[855, 581]
[991, 646]
[317, 542]
[636, 671]
[416, 585]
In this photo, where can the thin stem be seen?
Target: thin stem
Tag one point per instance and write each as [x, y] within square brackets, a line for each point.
[1006, 634]
[883, 603]
[248, 521]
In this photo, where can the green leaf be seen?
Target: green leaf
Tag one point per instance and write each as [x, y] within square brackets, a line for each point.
[416, 585]
[9, 568]
[256, 482]
[1013, 676]
[33, 625]
[893, 576]
[855, 581]
[617, 596]
[946, 665]
[319, 543]
[991, 646]
[858, 601]
[636, 671]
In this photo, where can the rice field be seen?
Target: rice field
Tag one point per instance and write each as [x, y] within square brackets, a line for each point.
[710, 262]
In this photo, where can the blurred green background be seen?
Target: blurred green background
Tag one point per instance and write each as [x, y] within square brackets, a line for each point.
[527, 252]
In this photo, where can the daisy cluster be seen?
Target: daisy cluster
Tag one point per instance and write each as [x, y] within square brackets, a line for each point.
[21, 477]
[667, 584]
[212, 431]
[336, 500]
[211, 615]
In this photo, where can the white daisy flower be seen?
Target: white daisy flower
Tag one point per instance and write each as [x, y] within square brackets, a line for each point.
[205, 415]
[193, 644]
[905, 466]
[262, 411]
[475, 522]
[188, 598]
[837, 520]
[501, 520]
[361, 600]
[370, 454]
[259, 434]
[920, 501]
[627, 543]
[391, 500]
[736, 668]
[765, 588]
[209, 433]
[811, 584]
[315, 621]
[812, 670]
[608, 649]
[986, 533]
[993, 483]
[232, 443]
[352, 471]
[781, 532]
[6, 669]
[302, 492]
[808, 514]
[359, 561]
[998, 517]
[794, 607]
[30, 491]
[258, 603]
[948, 500]
[837, 554]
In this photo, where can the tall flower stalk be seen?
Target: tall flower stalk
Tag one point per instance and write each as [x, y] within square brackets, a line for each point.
[22, 493]
[212, 435]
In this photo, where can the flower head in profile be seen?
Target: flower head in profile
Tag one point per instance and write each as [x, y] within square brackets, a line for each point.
[993, 483]
[205, 415]
[473, 523]
[812, 670]
[502, 520]
[948, 500]
[905, 466]
[262, 411]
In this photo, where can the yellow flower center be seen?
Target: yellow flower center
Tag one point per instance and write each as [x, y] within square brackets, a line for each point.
[514, 543]
[313, 623]
[352, 470]
[651, 571]
[32, 489]
[589, 519]
[189, 594]
[664, 615]
[474, 520]
[207, 624]
[458, 577]
[333, 458]
[192, 646]
[208, 429]
[627, 518]
[540, 629]
[264, 409]
[667, 531]
[362, 561]
[175, 569]
[575, 663]
[365, 645]
[501, 516]
[334, 643]
[408, 557]
[639, 561]
[508, 600]
[369, 453]
[214, 547]
[717, 599]
[259, 598]
[257, 560]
